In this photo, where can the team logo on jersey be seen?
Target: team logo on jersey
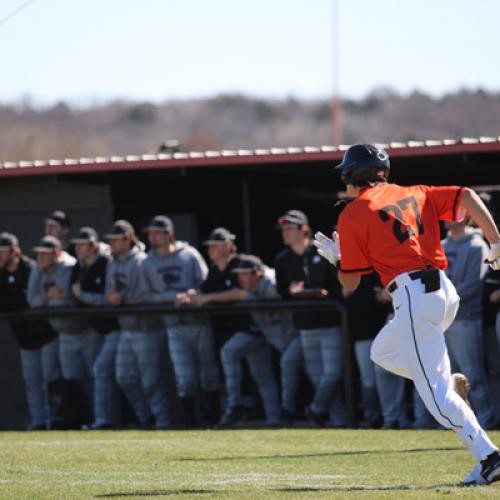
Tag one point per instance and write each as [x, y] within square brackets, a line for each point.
[316, 259]
[170, 275]
[228, 283]
[12, 279]
[98, 280]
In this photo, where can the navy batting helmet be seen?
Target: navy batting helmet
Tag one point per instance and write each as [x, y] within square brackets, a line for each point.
[364, 163]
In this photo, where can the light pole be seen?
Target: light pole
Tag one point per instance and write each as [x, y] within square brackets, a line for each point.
[336, 103]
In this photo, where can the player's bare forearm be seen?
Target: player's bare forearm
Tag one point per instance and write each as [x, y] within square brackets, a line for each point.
[349, 281]
[480, 215]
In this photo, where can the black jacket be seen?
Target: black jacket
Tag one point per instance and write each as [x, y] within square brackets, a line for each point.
[316, 273]
[92, 280]
[31, 335]
[224, 325]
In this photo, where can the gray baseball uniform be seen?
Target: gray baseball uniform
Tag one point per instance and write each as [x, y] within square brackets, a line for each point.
[190, 339]
[138, 366]
[279, 331]
[78, 342]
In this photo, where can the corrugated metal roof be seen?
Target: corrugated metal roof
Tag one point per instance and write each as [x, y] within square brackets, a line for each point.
[227, 157]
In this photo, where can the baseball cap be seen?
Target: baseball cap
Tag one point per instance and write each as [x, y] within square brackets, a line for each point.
[48, 244]
[59, 217]
[8, 241]
[86, 235]
[293, 217]
[121, 228]
[160, 223]
[248, 263]
[219, 236]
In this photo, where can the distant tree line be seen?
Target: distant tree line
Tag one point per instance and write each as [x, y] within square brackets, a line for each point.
[236, 121]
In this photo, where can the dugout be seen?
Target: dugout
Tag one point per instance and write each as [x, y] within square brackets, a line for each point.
[243, 190]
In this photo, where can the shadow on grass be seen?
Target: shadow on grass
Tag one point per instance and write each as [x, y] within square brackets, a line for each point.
[397, 487]
[292, 489]
[156, 493]
[312, 455]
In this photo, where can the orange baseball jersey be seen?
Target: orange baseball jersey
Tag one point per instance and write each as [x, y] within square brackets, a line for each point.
[393, 229]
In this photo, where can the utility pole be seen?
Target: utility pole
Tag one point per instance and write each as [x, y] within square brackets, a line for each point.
[336, 102]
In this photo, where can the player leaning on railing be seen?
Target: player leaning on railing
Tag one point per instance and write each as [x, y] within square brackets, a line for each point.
[394, 230]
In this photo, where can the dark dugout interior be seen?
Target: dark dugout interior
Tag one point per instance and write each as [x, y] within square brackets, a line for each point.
[248, 199]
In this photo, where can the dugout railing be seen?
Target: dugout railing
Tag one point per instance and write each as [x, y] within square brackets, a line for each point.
[233, 308]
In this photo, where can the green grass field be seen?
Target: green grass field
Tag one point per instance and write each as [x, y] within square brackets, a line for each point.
[287, 463]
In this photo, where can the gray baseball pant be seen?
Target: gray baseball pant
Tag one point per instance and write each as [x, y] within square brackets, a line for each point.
[77, 354]
[291, 361]
[257, 352]
[104, 377]
[192, 353]
[322, 349]
[39, 368]
[138, 372]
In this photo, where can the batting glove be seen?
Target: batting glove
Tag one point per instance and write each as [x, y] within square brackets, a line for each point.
[494, 256]
[328, 248]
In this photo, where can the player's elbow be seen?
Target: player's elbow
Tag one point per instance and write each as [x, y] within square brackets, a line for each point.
[467, 195]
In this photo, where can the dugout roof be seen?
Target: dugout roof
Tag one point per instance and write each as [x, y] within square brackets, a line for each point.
[244, 190]
[441, 151]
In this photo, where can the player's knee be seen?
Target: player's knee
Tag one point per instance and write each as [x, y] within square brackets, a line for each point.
[101, 371]
[227, 353]
[330, 378]
[186, 388]
[124, 379]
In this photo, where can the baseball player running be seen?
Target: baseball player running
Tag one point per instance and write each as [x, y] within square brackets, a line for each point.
[394, 230]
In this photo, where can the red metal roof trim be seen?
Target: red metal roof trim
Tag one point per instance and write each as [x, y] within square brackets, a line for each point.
[240, 157]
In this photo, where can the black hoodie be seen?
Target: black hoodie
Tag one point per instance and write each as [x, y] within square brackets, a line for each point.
[31, 335]
[92, 280]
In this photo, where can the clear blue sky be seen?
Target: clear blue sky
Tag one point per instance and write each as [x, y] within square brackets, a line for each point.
[89, 51]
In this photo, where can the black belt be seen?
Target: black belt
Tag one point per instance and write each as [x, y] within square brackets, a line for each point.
[414, 276]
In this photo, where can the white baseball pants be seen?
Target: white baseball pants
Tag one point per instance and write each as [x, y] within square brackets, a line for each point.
[412, 345]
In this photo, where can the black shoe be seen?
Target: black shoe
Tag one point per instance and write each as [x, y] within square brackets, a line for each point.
[95, 427]
[210, 408]
[318, 419]
[376, 423]
[148, 425]
[190, 416]
[490, 467]
[390, 426]
[287, 417]
[232, 415]
[41, 427]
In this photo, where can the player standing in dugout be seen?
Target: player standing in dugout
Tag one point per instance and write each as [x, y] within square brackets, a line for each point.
[394, 230]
